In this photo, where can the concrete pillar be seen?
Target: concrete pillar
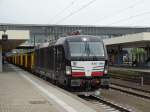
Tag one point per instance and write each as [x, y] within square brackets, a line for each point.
[120, 58]
[147, 51]
[1, 65]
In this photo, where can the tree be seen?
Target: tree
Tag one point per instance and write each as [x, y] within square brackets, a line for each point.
[137, 54]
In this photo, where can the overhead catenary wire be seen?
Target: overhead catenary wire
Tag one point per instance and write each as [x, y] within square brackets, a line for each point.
[76, 11]
[120, 11]
[64, 9]
[130, 17]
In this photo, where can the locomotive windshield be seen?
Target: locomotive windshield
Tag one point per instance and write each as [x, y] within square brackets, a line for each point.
[90, 49]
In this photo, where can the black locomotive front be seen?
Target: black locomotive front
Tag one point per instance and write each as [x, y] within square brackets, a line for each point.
[85, 63]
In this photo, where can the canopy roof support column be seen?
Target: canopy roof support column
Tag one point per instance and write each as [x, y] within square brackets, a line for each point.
[1, 65]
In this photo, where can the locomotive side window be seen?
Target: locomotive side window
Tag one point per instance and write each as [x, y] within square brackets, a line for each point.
[60, 55]
[51, 57]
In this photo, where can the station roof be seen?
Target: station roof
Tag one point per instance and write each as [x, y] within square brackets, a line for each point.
[44, 29]
[131, 40]
[15, 38]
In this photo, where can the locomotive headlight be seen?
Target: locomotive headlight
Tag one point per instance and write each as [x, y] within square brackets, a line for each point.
[106, 67]
[84, 39]
[68, 70]
[105, 71]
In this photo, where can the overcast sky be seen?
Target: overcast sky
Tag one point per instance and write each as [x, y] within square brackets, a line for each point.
[76, 12]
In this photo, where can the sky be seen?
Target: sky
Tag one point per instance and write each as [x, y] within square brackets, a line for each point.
[76, 12]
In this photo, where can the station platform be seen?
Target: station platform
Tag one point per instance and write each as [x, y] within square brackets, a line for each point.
[21, 91]
[137, 72]
[130, 84]
[144, 70]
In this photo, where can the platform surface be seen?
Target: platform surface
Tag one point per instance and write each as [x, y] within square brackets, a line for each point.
[21, 91]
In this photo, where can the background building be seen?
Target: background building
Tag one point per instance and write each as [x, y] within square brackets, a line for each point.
[42, 33]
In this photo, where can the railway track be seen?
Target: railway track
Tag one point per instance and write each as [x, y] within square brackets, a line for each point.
[132, 91]
[102, 105]
[137, 89]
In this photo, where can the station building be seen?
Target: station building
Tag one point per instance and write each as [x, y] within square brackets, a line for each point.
[43, 33]
[129, 49]
[13, 38]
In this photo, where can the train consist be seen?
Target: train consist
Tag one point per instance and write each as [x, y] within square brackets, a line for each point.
[78, 62]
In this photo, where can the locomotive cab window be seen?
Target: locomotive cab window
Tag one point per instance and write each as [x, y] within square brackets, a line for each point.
[86, 49]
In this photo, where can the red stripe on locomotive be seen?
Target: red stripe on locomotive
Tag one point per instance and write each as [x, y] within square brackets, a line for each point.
[78, 74]
[97, 73]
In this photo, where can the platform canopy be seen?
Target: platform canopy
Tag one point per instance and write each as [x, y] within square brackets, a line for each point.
[15, 38]
[131, 40]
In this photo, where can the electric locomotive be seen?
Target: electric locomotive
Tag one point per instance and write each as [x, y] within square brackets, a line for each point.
[77, 62]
